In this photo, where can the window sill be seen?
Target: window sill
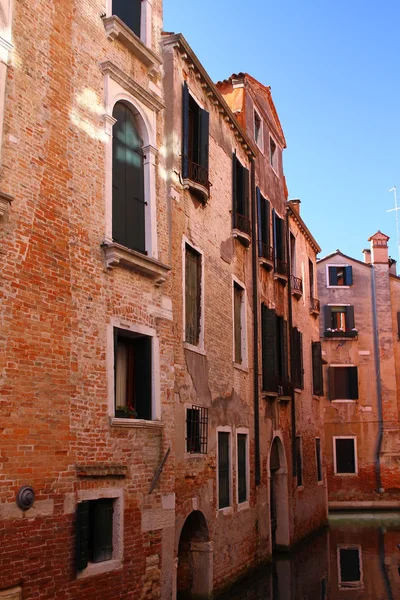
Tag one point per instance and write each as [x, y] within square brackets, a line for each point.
[192, 348]
[349, 335]
[240, 367]
[300, 488]
[242, 237]
[100, 568]
[297, 294]
[201, 192]
[195, 455]
[339, 287]
[243, 506]
[298, 390]
[267, 264]
[117, 255]
[343, 400]
[320, 483]
[135, 423]
[346, 474]
[117, 30]
[5, 203]
[227, 510]
[283, 279]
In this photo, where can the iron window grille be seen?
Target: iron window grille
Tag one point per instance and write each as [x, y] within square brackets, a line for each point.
[197, 430]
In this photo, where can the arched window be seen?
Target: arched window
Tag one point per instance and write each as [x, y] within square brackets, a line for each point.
[128, 204]
[129, 11]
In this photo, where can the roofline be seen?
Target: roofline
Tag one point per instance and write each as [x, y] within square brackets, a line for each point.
[360, 262]
[179, 41]
[296, 215]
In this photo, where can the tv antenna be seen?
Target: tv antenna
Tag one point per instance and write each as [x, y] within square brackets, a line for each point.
[396, 210]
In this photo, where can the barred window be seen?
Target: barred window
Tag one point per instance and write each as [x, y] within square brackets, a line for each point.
[197, 430]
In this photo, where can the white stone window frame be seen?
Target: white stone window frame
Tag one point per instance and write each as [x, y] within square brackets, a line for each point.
[336, 287]
[341, 365]
[155, 421]
[260, 145]
[244, 365]
[345, 437]
[199, 348]
[6, 47]
[227, 510]
[145, 20]
[273, 159]
[357, 585]
[246, 503]
[116, 494]
[146, 120]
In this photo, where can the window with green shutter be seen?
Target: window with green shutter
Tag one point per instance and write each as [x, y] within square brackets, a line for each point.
[340, 275]
[297, 359]
[94, 532]
[238, 325]
[265, 249]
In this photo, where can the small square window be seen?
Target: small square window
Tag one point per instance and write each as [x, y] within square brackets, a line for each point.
[340, 275]
[197, 430]
[343, 383]
[258, 130]
[273, 154]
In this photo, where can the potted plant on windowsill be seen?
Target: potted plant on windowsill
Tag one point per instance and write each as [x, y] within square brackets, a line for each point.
[341, 332]
[125, 412]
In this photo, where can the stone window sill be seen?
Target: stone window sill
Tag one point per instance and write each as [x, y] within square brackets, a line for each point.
[117, 30]
[5, 202]
[100, 568]
[117, 255]
[241, 367]
[243, 506]
[228, 510]
[242, 237]
[192, 348]
[135, 423]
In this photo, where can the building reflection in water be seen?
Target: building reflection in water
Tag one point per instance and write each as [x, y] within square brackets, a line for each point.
[357, 559]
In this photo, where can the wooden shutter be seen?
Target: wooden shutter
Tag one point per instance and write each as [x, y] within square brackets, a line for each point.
[192, 296]
[285, 351]
[332, 276]
[398, 325]
[246, 191]
[297, 358]
[318, 382]
[353, 383]
[301, 366]
[299, 462]
[328, 317]
[318, 457]
[204, 138]
[332, 383]
[269, 350]
[82, 535]
[260, 229]
[237, 311]
[223, 470]
[101, 529]
[118, 175]
[143, 377]
[274, 235]
[234, 189]
[348, 275]
[185, 131]
[266, 222]
[349, 317]
[242, 465]
[129, 12]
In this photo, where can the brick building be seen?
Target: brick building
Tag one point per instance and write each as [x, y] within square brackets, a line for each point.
[360, 332]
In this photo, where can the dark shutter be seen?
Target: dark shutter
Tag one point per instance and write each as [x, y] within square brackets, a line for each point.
[301, 366]
[204, 138]
[299, 462]
[266, 220]
[269, 354]
[350, 571]
[328, 316]
[82, 535]
[318, 382]
[332, 275]
[345, 455]
[349, 317]
[332, 383]
[185, 131]
[237, 310]
[234, 189]
[143, 377]
[274, 235]
[260, 228]
[246, 191]
[129, 12]
[353, 383]
[285, 351]
[318, 457]
[101, 520]
[118, 175]
[192, 295]
[223, 469]
[348, 275]
[398, 325]
[297, 359]
[242, 478]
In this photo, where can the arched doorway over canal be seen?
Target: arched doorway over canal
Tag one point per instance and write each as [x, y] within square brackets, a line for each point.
[195, 559]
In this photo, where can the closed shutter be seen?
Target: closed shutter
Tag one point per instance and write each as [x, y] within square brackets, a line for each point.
[348, 275]
[350, 318]
[246, 192]
[129, 11]
[274, 236]
[234, 189]
[297, 358]
[82, 536]
[242, 464]
[118, 175]
[398, 325]
[353, 383]
[260, 229]
[143, 377]
[223, 470]
[204, 138]
[185, 131]
[328, 317]
[318, 382]
[192, 296]
[318, 457]
[301, 367]
[285, 352]
[299, 462]
[269, 347]
[101, 517]
[237, 300]
[266, 222]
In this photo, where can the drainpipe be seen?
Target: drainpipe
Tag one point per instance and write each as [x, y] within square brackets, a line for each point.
[378, 387]
[290, 322]
[385, 574]
[254, 250]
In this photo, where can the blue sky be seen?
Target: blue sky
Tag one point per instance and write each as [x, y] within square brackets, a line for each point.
[333, 66]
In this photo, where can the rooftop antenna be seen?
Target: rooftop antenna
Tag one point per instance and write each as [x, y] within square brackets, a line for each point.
[396, 210]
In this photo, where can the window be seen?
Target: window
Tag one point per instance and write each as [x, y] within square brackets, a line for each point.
[258, 130]
[195, 142]
[319, 459]
[273, 154]
[265, 249]
[349, 565]
[281, 267]
[224, 492]
[339, 321]
[242, 467]
[129, 12]
[197, 430]
[297, 359]
[241, 199]
[128, 202]
[94, 532]
[239, 325]
[299, 462]
[345, 455]
[133, 374]
[274, 352]
[343, 383]
[398, 325]
[318, 378]
[193, 279]
[340, 275]
[311, 277]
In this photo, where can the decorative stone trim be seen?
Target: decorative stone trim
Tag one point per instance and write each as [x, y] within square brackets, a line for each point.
[5, 202]
[101, 470]
[117, 255]
[14, 593]
[135, 423]
[242, 237]
[118, 30]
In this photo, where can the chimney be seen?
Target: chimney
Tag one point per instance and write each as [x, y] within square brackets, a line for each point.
[367, 256]
[392, 266]
[379, 248]
[296, 204]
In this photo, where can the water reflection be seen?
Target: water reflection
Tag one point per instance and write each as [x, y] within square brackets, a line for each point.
[357, 559]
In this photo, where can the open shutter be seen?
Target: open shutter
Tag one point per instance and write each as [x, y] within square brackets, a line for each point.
[82, 535]
[204, 138]
[349, 318]
[300, 351]
[234, 188]
[283, 240]
[398, 325]
[260, 221]
[102, 519]
[348, 275]
[318, 383]
[269, 357]
[266, 218]
[143, 371]
[328, 317]
[246, 191]
[185, 131]
[285, 351]
[353, 383]
[332, 386]
[274, 235]
[129, 13]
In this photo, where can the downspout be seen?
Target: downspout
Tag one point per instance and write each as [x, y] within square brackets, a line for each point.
[255, 327]
[385, 574]
[290, 321]
[378, 387]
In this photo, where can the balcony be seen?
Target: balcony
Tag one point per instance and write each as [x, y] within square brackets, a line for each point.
[278, 387]
[340, 333]
[315, 307]
[296, 285]
[197, 179]
[281, 270]
[242, 228]
[266, 258]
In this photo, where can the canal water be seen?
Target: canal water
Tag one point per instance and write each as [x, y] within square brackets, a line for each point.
[357, 558]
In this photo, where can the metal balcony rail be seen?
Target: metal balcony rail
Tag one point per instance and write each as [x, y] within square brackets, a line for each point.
[281, 267]
[314, 304]
[267, 252]
[296, 284]
[241, 223]
[197, 173]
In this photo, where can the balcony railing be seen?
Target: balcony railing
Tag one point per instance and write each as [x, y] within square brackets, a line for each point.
[241, 223]
[278, 385]
[296, 285]
[197, 175]
[267, 252]
[281, 267]
[314, 305]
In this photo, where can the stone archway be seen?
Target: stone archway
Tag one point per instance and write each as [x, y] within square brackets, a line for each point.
[195, 560]
[279, 501]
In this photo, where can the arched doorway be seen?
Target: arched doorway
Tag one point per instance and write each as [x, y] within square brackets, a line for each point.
[195, 560]
[279, 506]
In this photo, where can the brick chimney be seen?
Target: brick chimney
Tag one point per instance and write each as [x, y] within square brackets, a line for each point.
[392, 266]
[367, 256]
[379, 248]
